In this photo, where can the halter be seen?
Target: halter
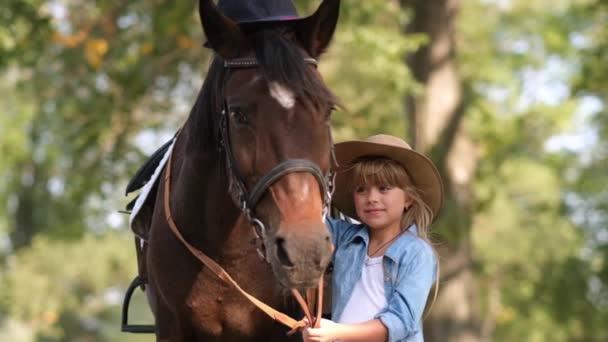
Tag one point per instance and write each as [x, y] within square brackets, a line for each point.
[247, 200]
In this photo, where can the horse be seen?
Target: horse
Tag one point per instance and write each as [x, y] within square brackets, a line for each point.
[246, 184]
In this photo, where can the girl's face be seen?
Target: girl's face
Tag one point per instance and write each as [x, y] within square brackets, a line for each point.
[381, 206]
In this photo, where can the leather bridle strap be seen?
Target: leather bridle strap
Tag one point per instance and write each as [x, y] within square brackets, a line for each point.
[288, 166]
[248, 200]
[278, 316]
[251, 62]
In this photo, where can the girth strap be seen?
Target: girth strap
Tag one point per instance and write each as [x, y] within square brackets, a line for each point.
[293, 324]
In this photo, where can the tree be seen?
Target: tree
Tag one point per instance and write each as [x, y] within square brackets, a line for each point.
[83, 79]
[436, 126]
[106, 67]
[485, 121]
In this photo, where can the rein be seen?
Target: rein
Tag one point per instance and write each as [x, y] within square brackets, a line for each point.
[293, 324]
[247, 202]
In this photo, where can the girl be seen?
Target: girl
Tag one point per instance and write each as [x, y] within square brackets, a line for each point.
[385, 266]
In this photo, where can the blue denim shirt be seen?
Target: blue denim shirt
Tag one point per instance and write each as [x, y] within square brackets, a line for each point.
[409, 272]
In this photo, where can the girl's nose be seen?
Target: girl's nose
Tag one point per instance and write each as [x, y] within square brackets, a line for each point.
[372, 195]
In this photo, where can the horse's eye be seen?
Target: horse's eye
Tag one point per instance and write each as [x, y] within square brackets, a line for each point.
[329, 112]
[239, 116]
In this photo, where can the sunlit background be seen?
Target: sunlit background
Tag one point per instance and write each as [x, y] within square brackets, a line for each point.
[507, 96]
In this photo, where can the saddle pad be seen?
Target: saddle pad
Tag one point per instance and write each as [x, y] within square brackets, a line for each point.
[145, 191]
[143, 174]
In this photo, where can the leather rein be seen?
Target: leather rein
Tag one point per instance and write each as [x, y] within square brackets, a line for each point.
[248, 201]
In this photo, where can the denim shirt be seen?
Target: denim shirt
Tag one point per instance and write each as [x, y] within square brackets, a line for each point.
[409, 272]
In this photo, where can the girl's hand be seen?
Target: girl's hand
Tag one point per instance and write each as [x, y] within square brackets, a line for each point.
[325, 333]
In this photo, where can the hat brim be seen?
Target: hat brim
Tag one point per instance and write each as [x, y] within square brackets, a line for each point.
[274, 19]
[252, 25]
[269, 21]
[421, 169]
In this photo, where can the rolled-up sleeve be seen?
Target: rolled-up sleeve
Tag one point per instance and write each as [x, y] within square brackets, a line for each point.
[415, 276]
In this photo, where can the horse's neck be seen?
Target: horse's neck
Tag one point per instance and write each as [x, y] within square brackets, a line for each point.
[205, 206]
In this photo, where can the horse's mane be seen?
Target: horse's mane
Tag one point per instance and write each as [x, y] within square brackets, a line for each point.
[280, 60]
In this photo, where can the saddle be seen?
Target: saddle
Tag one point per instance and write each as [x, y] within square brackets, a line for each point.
[140, 225]
[142, 206]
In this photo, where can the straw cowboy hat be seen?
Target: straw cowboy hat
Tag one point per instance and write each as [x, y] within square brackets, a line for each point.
[421, 170]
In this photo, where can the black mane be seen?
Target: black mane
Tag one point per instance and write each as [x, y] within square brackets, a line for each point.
[280, 60]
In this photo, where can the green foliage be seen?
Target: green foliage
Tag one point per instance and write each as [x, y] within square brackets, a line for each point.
[65, 291]
[108, 70]
[537, 280]
[23, 30]
[365, 67]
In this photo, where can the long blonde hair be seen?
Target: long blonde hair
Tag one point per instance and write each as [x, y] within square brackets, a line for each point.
[385, 171]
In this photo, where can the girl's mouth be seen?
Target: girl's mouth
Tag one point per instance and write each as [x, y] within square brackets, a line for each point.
[373, 211]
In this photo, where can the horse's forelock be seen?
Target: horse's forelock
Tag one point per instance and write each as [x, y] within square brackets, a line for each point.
[282, 61]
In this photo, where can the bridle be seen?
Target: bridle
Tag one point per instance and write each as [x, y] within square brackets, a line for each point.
[247, 201]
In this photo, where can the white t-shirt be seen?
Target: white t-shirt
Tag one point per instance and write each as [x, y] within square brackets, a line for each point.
[368, 296]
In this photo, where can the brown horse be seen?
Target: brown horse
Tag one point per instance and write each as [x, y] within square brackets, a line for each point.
[248, 175]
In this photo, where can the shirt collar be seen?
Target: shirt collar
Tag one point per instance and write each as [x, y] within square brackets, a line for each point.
[361, 233]
[394, 250]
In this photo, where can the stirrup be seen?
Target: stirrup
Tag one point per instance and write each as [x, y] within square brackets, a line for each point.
[135, 328]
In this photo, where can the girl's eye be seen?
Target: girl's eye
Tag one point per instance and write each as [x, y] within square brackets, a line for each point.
[384, 188]
[239, 116]
[360, 189]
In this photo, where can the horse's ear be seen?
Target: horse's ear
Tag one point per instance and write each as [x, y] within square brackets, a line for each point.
[223, 34]
[316, 31]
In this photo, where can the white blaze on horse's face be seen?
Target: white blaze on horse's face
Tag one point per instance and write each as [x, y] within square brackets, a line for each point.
[284, 96]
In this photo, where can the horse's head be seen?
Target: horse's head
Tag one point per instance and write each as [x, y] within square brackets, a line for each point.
[275, 129]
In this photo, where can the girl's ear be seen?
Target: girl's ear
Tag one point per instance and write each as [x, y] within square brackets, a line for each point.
[408, 201]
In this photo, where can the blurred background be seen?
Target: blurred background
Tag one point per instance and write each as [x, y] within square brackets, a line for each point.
[508, 97]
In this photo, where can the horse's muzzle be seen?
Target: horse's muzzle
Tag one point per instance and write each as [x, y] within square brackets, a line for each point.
[300, 253]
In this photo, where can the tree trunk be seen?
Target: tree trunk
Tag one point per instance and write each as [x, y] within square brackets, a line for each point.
[31, 197]
[25, 226]
[437, 128]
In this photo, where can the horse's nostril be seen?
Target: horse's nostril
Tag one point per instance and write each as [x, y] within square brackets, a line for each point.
[282, 253]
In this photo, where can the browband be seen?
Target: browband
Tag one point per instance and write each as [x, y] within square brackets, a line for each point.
[250, 62]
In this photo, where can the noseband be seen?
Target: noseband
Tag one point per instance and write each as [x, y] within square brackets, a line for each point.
[247, 200]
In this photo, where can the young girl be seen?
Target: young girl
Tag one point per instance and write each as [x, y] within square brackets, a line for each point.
[385, 266]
